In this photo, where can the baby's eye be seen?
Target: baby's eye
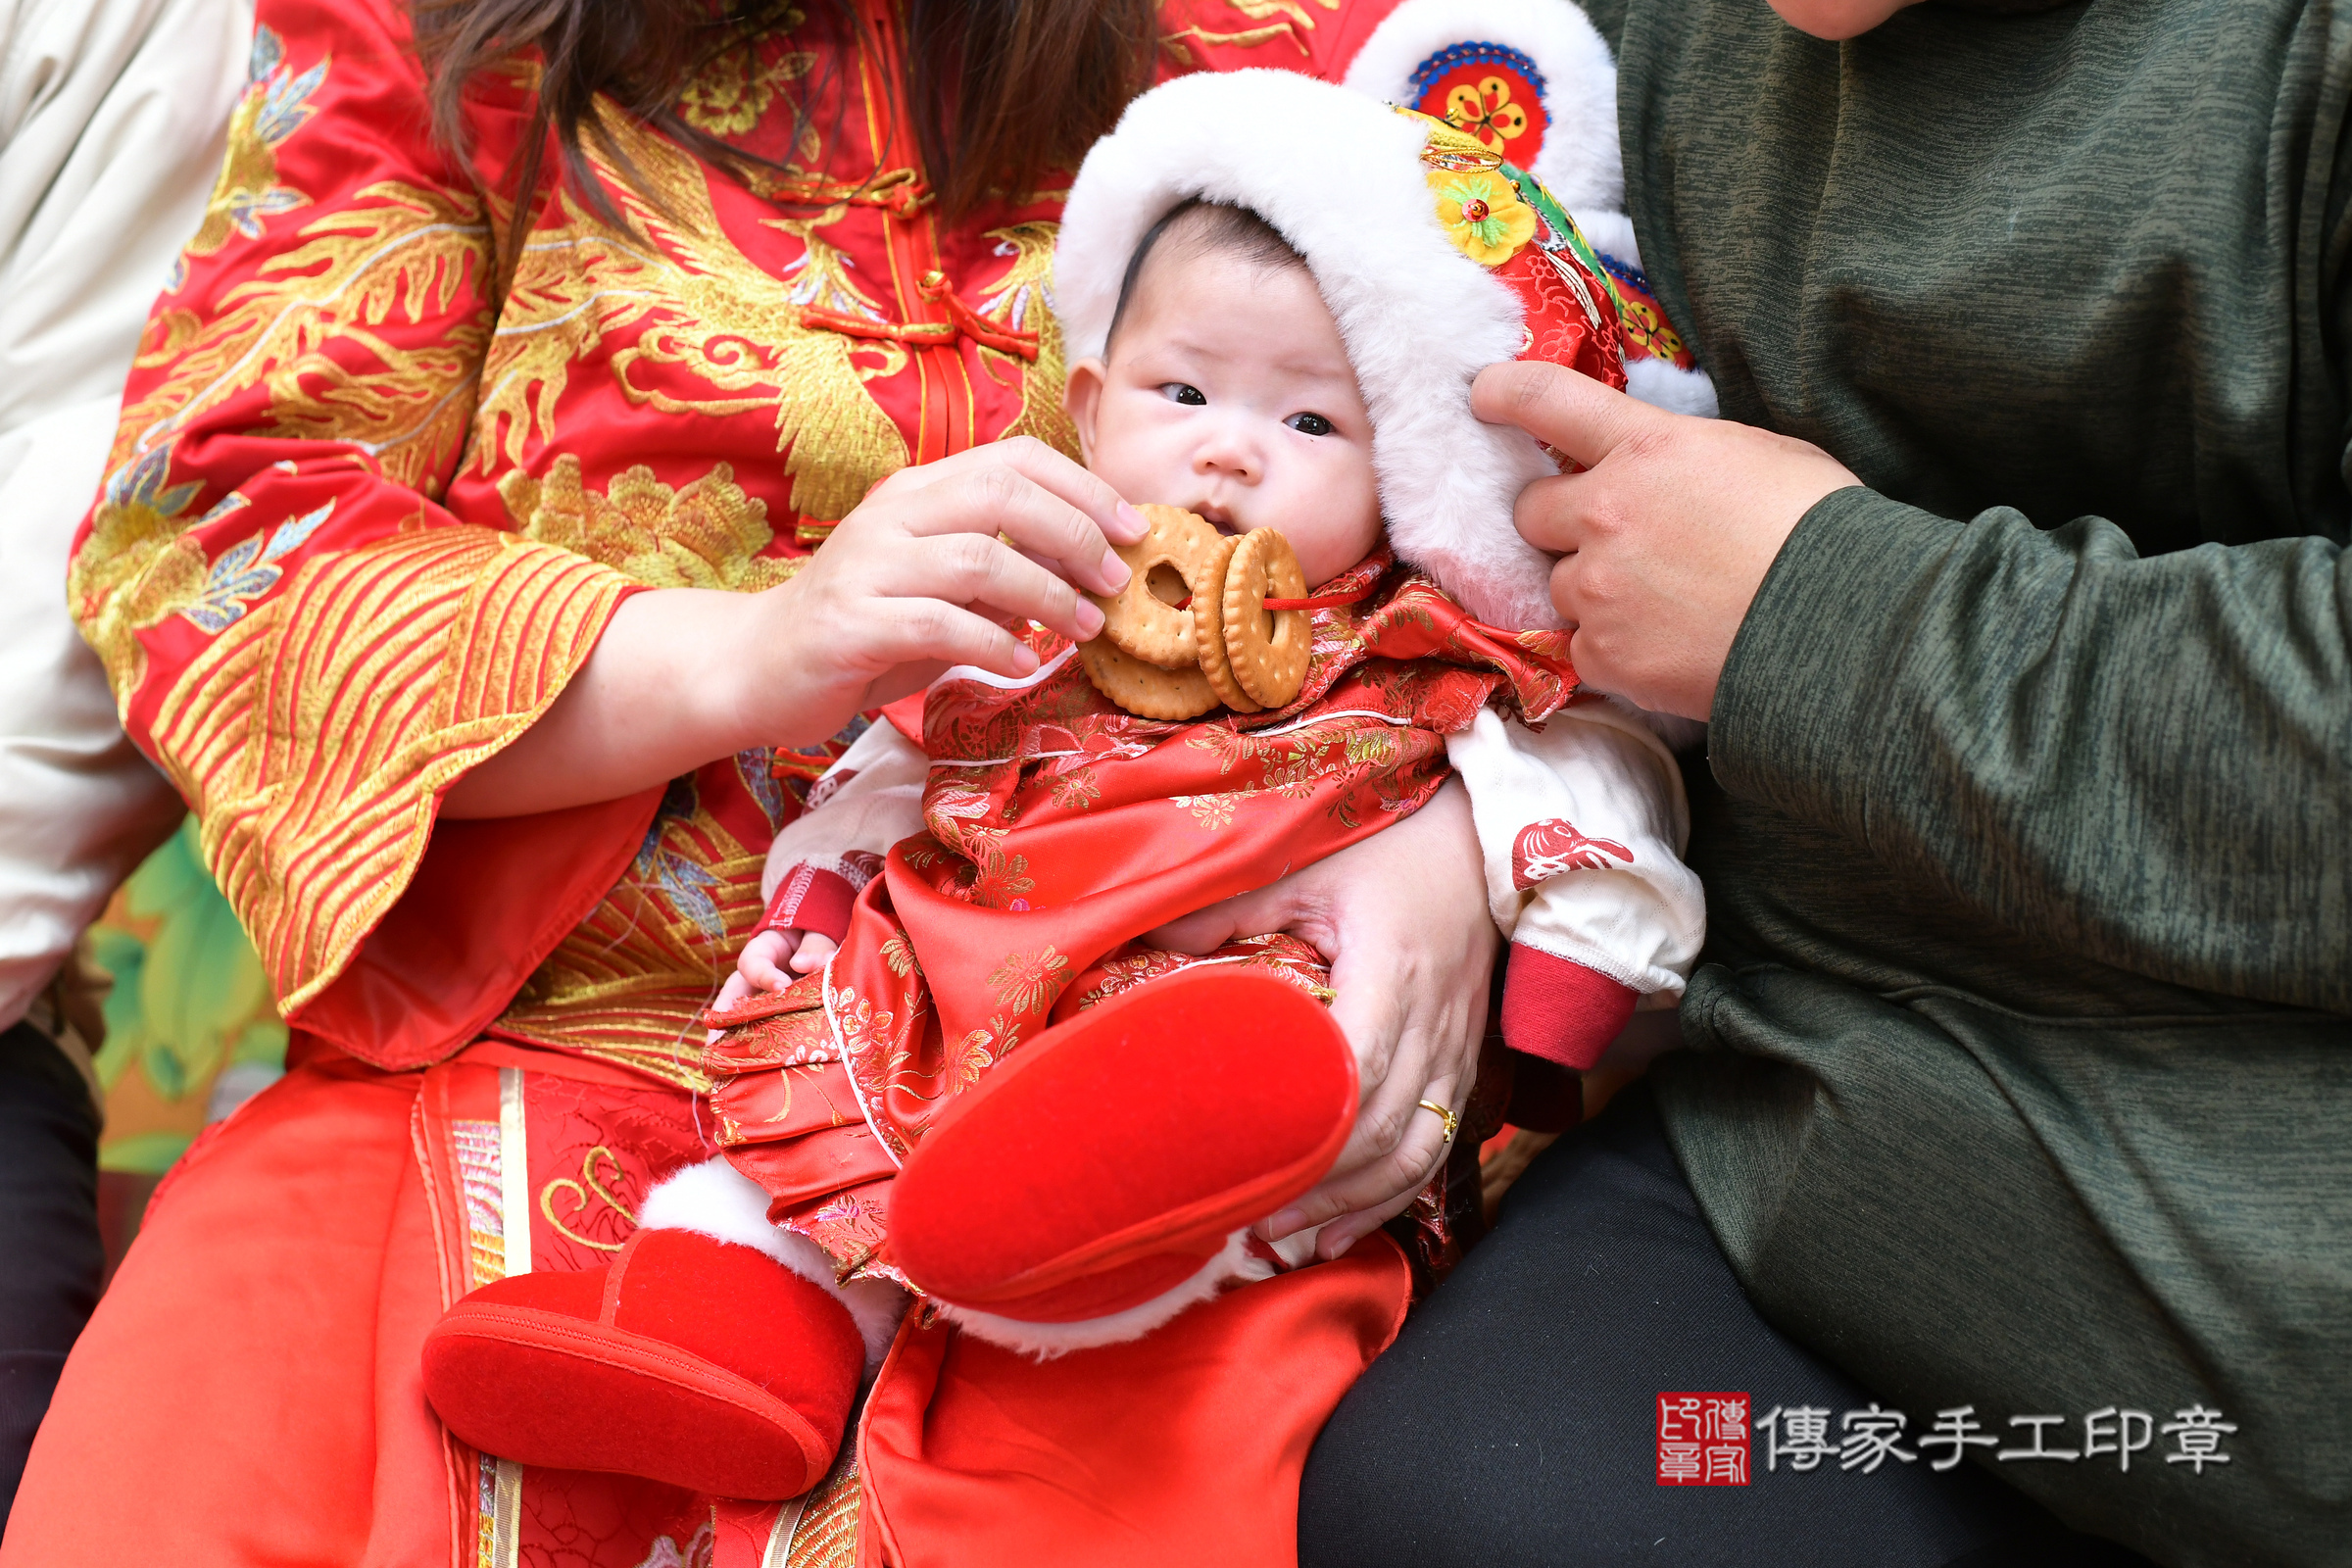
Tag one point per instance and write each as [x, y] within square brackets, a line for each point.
[1178, 392]
[1310, 424]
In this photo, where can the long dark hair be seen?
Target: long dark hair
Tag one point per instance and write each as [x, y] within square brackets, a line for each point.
[999, 91]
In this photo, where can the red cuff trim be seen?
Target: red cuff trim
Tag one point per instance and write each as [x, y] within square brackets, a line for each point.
[1561, 1010]
[817, 898]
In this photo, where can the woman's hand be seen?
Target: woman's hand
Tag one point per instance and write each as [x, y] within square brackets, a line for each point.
[1402, 917]
[913, 581]
[1667, 535]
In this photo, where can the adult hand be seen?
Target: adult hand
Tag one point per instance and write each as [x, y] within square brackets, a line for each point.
[914, 579]
[1401, 918]
[1665, 537]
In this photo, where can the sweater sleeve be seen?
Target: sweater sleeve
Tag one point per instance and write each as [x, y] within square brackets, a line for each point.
[1581, 823]
[2142, 761]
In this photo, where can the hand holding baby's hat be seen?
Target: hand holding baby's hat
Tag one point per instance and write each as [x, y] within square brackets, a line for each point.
[1436, 255]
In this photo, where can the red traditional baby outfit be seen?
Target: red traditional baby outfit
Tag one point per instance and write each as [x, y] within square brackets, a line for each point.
[1036, 831]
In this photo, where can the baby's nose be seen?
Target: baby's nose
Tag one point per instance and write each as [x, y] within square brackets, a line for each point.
[1229, 452]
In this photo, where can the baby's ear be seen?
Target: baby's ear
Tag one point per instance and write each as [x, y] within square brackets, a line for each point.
[1081, 397]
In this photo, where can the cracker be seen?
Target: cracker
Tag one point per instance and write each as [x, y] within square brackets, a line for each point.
[1268, 649]
[1208, 623]
[1144, 625]
[1147, 690]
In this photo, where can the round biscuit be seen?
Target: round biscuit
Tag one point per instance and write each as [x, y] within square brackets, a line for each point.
[1142, 625]
[1268, 649]
[1209, 625]
[1147, 691]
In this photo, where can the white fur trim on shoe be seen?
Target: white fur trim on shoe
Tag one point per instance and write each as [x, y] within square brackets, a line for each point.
[876, 1305]
[1419, 318]
[1235, 1264]
[717, 1200]
[1579, 162]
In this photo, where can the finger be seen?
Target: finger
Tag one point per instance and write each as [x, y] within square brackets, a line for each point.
[1563, 407]
[814, 948]
[1554, 513]
[1382, 1186]
[928, 631]
[1338, 1234]
[990, 578]
[1052, 470]
[758, 970]
[1003, 500]
[1268, 908]
[735, 990]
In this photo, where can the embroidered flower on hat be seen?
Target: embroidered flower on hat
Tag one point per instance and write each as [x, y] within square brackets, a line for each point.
[1483, 213]
[1486, 111]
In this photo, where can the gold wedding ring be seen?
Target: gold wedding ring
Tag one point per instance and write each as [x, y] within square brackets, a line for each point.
[1454, 1123]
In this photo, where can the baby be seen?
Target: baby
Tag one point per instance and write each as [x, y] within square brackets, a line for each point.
[1227, 392]
[952, 1060]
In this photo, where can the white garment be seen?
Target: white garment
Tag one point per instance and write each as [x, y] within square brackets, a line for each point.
[1582, 822]
[1593, 779]
[113, 118]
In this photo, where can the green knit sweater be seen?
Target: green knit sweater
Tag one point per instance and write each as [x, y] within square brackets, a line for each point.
[2022, 1062]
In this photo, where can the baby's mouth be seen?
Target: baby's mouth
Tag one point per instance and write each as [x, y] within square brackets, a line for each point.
[1215, 517]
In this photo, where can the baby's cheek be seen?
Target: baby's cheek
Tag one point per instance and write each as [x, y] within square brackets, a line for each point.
[1338, 518]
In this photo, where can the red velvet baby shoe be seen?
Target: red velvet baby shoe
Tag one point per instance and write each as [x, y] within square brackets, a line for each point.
[1109, 1160]
[687, 1359]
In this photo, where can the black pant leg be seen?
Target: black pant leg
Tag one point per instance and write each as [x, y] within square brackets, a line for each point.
[51, 1258]
[1515, 1419]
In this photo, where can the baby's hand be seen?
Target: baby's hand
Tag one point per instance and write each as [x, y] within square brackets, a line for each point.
[765, 958]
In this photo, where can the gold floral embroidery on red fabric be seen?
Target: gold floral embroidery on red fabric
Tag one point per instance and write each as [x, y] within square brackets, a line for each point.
[707, 534]
[731, 92]
[276, 105]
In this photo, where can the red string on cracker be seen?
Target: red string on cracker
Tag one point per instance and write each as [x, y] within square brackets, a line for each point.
[1319, 602]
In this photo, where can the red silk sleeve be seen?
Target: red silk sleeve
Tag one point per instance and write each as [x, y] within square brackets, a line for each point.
[310, 644]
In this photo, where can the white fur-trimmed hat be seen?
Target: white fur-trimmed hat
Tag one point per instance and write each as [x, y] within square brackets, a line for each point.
[1533, 81]
[1434, 260]
[1540, 58]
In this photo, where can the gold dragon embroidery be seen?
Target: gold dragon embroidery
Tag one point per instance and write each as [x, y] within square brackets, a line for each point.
[705, 309]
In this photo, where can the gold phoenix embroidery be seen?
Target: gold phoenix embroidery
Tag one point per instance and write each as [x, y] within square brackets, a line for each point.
[314, 759]
[404, 252]
[1023, 297]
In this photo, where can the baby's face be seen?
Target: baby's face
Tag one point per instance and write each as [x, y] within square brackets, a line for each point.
[1227, 393]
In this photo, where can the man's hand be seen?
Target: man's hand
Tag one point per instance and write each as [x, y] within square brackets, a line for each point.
[1665, 537]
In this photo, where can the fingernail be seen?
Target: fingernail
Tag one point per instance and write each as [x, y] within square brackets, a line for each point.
[1289, 1222]
[1090, 620]
[1133, 522]
[1024, 660]
[1114, 570]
